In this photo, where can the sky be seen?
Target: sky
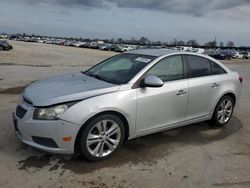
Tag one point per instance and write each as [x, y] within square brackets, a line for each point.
[165, 20]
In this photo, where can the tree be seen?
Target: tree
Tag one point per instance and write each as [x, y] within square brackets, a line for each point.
[165, 43]
[156, 43]
[143, 41]
[192, 42]
[221, 44]
[119, 41]
[211, 44]
[174, 42]
[230, 44]
[180, 43]
[112, 41]
[133, 40]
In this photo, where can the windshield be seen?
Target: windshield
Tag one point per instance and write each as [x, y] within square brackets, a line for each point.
[119, 69]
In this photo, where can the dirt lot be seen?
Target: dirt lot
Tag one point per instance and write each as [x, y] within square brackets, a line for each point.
[193, 156]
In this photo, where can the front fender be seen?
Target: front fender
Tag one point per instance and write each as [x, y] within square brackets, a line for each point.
[123, 102]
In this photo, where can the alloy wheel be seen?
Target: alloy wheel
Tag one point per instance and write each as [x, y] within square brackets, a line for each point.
[103, 138]
[225, 111]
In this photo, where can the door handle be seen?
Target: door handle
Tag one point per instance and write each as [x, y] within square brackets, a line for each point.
[214, 85]
[181, 92]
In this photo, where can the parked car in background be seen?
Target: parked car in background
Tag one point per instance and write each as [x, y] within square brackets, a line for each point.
[93, 45]
[121, 48]
[221, 54]
[228, 55]
[237, 55]
[129, 95]
[196, 50]
[182, 48]
[4, 45]
[107, 47]
[245, 55]
[79, 44]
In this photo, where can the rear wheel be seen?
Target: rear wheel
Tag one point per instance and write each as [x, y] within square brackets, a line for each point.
[102, 137]
[223, 111]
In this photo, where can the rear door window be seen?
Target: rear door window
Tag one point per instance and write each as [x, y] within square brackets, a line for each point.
[216, 69]
[198, 66]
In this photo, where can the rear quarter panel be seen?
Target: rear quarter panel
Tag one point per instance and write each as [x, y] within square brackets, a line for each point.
[230, 84]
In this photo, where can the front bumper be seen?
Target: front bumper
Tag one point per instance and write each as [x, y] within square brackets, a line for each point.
[27, 129]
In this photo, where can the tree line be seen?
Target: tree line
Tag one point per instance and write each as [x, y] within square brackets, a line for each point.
[141, 41]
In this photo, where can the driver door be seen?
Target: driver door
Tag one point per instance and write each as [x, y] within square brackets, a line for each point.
[158, 108]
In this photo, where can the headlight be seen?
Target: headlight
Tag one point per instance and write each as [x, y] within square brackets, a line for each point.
[50, 113]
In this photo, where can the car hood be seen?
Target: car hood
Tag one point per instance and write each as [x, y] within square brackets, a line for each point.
[65, 88]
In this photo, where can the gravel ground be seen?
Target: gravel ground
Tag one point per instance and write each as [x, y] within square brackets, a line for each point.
[192, 156]
[33, 61]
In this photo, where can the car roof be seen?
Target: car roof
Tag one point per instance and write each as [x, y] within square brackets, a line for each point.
[164, 51]
[153, 52]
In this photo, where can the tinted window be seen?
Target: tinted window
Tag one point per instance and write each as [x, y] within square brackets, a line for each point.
[216, 69]
[168, 69]
[198, 66]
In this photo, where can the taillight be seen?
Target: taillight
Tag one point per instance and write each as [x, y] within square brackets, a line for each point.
[240, 79]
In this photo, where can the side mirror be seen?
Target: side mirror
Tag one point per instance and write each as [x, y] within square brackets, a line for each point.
[152, 81]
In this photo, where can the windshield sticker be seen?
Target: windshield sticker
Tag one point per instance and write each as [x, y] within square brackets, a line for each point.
[143, 59]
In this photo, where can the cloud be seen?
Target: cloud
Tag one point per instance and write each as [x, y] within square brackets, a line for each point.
[67, 3]
[10, 23]
[189, 7]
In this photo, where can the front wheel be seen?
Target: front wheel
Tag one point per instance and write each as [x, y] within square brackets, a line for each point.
[223, 111]
[102, 137]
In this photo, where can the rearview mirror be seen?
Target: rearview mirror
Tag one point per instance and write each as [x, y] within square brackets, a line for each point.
[152, 81]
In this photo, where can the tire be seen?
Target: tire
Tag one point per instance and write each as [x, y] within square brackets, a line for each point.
[1, 48]
[100, 146]
[225, 108]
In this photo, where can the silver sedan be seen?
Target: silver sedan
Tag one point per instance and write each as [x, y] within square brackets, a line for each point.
[126, 96]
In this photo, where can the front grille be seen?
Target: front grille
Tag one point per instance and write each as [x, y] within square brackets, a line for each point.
[49, 142]
[20, 111]
[27, 101]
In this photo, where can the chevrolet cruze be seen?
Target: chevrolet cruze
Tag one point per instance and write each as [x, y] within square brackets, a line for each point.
[124, 97]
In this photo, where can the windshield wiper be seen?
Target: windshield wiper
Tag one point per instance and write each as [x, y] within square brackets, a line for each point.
[87, 73]
[95, 76]
[101, 78]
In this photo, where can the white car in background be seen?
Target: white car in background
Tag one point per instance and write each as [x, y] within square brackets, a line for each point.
[238, 55]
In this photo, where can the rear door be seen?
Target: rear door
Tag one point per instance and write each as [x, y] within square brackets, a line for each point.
[205, 79]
